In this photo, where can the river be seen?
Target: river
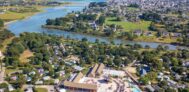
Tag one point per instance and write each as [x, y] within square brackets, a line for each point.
[33, 24]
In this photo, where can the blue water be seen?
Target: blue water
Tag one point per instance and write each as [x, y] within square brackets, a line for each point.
[33, 24]
[136, 90]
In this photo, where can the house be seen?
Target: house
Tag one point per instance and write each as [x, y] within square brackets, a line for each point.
[56, 81]
[14, 77]
[46, 78]
[187, 35]
[177, 77]
[94, 25]
[1, 55]
[157, 88]
[176, 35]
[138, 32]
[41, 71]
[29, 89]
[143, 72]
[32, 73]
[62, 73]
[148, 33]
[171, 82]
[68, 63]
[28, 79]
[11, 88]
[185, 64]
[164, 34]
[39, 82]
[160, 76]
[150, 88]
[2, 90]
[78, 68]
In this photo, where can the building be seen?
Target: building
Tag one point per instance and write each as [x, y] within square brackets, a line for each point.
[96, 70]
[76, 87]
[176, 35]
[73, 84]
[138, 32]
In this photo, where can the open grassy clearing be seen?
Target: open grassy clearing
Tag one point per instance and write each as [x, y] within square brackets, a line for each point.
[155, 39]
[10, 16]
[129, 26]
[9, 71]
[25, 55]
[41, 90]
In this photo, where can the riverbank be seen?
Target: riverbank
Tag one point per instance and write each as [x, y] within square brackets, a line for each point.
[10, 17]
[156, 40]
[34, 23]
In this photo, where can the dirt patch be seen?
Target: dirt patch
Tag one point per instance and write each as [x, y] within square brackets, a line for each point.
[131, 70]
[25, 55]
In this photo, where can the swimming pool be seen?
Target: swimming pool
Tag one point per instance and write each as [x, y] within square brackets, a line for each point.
[136, 90]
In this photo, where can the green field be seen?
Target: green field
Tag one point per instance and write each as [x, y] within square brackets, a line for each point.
[129, 26]
[10, 16]
[41, 90]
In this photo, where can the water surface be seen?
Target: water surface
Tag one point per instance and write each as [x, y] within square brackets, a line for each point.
[33, 24]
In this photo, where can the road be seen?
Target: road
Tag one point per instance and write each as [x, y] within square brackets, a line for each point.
[2, 74]
[129, 74]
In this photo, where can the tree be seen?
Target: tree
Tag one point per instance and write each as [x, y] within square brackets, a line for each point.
[1, 23]
[144, 80]
[3, 85]
[50, 22]
[170, 90]
[147, 46]
[184, 90]
[101, 20]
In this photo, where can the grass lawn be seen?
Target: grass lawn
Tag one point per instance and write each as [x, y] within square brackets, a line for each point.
[155, 39]
[25, 55]
[9, 71]
[129, 26]
[41, 90]
[10, 16]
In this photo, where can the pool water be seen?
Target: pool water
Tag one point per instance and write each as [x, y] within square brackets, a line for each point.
[136, 90]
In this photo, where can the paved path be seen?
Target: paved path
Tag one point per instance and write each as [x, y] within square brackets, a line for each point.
[2, 74]
[130, 75]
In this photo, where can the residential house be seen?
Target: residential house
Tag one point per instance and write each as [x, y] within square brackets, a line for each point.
[29, 89]
[46, 78]
[78, 68]
[164, 34]
[39, 82]
[185, 64]
[148, 34]
[11, 88]
[143, 72]
[62, 73]
[138, 32]
[176, 35]
[150, 88]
